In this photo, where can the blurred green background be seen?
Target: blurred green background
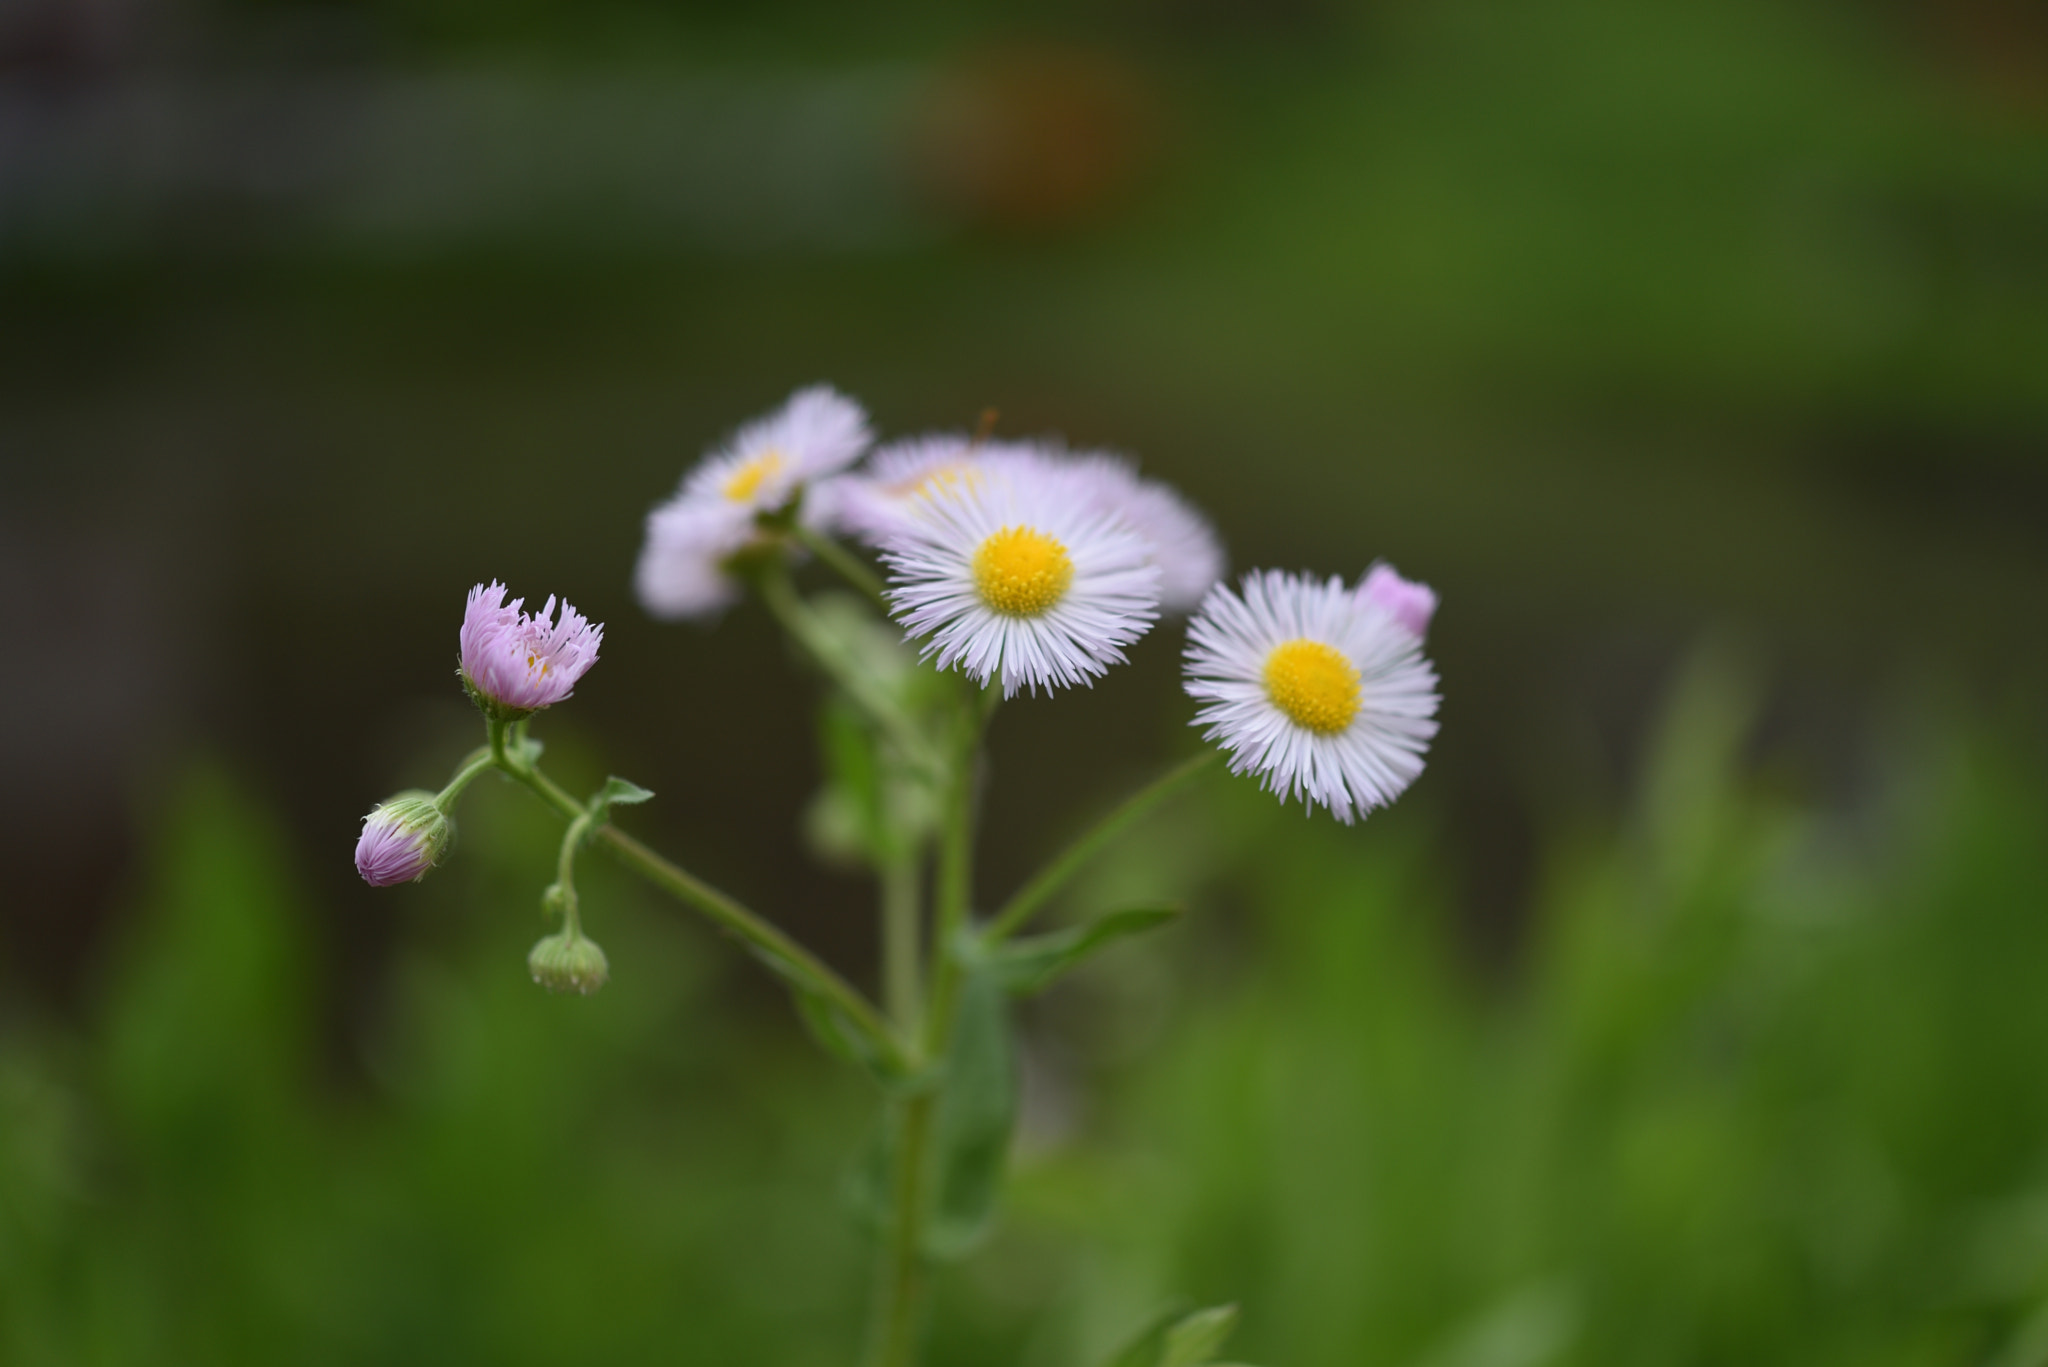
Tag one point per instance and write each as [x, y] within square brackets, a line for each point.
[1689, 1010]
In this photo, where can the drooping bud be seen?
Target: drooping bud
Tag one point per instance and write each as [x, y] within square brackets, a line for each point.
[402, 838]
[1408, 602]
[568, 962]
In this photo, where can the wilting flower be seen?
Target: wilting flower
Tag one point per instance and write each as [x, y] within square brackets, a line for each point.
[568, 962]
[1410, 603]
[516, 663]
[1012, 576]
[1317, 689]
[402, 838]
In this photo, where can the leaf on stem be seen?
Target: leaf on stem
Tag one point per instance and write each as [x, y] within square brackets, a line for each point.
[617, 792]
[1033, 963]
[977, 1112]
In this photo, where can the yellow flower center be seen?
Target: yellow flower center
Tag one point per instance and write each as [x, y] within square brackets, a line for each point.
[1021, 572]
[742, 483]
[1313, 684]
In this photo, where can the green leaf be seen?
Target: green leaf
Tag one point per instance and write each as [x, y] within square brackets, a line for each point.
[617, 792]
[1034, 963]
[1196, 1339]
[977, 1111]
[1179, 1339]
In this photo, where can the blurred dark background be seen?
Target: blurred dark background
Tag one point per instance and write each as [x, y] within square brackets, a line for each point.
[1646, 333]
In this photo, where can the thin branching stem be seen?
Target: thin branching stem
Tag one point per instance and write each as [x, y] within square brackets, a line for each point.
[1054, 876]
[783, 956]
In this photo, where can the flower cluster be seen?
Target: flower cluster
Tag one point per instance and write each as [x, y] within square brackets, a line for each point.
[1031, 567]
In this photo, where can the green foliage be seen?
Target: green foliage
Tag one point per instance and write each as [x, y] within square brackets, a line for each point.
[1766, 1087]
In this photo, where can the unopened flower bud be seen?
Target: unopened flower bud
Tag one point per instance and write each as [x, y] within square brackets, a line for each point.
[567, 962]
[402, 838]
[1410, 603]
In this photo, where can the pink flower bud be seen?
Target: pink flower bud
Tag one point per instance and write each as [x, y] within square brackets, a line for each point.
[1407, 602]
[402, 839]
[516, 663]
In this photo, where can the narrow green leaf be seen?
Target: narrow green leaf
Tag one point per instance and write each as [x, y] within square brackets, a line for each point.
[1196, 1339]
[977, 1111]
[1034, 963]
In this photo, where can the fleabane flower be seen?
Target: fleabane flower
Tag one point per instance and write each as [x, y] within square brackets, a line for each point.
[685, 563]
[515, 663]
[402, 839]
[766, 463]
[1182, 543]
[1314, 687]
[1013, 577]
[682, 572]
[1408, 602]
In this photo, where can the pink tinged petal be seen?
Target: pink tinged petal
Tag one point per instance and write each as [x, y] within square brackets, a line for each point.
[390, 851]
[1408, 602]
[525, 661]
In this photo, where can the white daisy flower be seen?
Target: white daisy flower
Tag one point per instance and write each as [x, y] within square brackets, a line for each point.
[1315, 687]
[691, 539]
[1013, 576]
[819, 432]
[682, 571]
[1184, 545]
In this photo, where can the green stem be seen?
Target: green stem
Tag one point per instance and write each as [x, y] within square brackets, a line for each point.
[478, 761]
[845, 563]
[1053, 876]
[565, 873]
[830, 653]
[901, 992]
[783, 956]
[905, 1276]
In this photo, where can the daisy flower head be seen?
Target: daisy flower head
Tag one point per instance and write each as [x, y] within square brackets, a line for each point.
[515, 663]
[768, 462]
[1014, 577]
[682, 570]
[1183, 543]
[1315, 688]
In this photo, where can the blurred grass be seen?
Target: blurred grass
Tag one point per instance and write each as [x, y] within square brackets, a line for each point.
[1767, 1088]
